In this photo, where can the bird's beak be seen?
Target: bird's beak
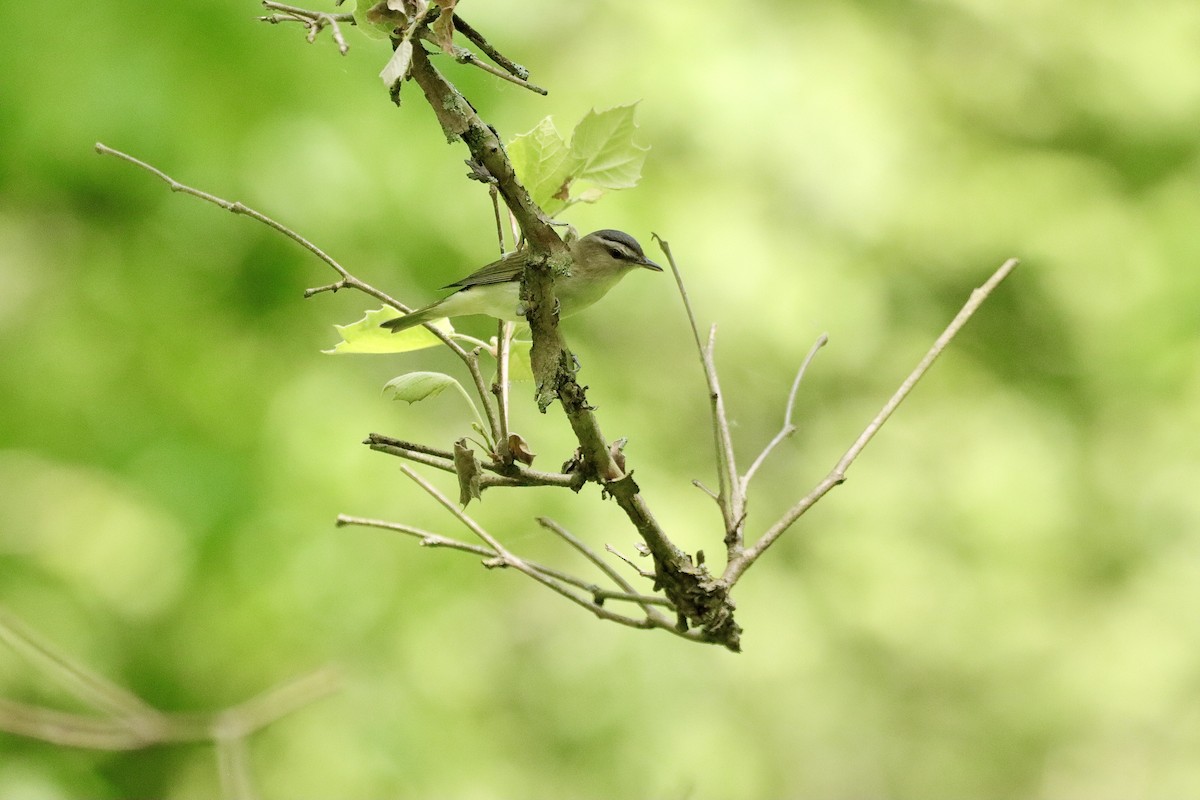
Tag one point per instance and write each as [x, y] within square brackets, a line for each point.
[648, 264]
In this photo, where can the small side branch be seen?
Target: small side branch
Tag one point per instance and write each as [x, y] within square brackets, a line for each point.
[729, 496]
[509, 66]
[736, 567]
[514, 474]
[627, 591]
[314, 21]
[347, 280]
[789, 427]
[464, 56]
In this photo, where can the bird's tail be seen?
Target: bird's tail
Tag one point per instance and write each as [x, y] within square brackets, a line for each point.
[427, 314]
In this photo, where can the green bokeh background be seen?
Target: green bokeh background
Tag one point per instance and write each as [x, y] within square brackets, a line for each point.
[1001, 602]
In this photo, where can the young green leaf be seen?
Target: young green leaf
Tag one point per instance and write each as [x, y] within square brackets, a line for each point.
[601, 156]
[543, 162]
[365, 335]
[602, 145]
[415, 386]
[519, 366]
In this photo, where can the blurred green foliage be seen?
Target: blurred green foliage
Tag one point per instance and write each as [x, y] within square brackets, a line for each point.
[1001, 602]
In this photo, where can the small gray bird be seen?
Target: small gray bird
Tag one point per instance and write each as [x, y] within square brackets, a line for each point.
[601, 259]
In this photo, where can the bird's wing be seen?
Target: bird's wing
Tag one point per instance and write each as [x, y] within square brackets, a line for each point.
[502, 271]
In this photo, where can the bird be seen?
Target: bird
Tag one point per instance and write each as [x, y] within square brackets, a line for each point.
[601, 259]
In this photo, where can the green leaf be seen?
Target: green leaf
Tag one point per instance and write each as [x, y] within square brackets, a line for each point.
[602, 145]
[543, 162]
[520, 368]
[414, 386]
[365, 335]
[601, 156]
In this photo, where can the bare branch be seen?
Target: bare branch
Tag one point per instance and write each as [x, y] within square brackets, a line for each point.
[504, 334]
[491, 52]
[514, 474]
[427, 539]
[600, 595]
[490, 557]
[642, 572]
[278, 702]
[627, 593]
[90, 687]
[74, 730]
[129, 723]
[837, 475]
[314, 21]
[470, 359]
[788, 426]
[347, 280]
[464, 56]
[729, 495]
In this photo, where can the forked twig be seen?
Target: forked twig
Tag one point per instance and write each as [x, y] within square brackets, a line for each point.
[737, 566]
[627, 590]
[315, 21]
[789, 427]
[464, 56]
[128, 722]
[556, 581]
[491, 52]
[490, 557]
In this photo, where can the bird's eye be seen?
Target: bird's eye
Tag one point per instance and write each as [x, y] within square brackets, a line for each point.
[615, 253]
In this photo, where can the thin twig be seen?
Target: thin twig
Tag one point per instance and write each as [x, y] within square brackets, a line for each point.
[463, 517]
[315, 21]
[491, 52]
[642, 572]
[729, 494]
[628, 592]
[129, 722]
[347, 280]
[427, 539]
[514, 474]
[277, 702]
[736, 567]
[504, 332]
[464, 56]
[91, 687]
[788, 426]
[506, 558]
[600, 595]
[76, 730]
[489, 555]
